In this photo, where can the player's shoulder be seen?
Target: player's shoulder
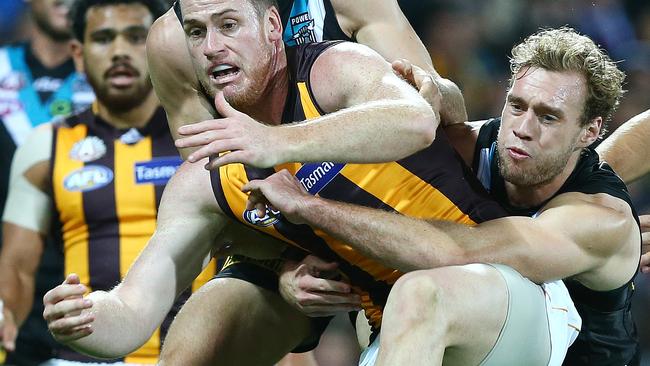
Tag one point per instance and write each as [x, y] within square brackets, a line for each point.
[344, 55]
[164, 30]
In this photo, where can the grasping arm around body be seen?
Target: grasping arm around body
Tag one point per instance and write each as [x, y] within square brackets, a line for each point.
[371, 116]
[600, 251]
[26, 222]
[117, 322]
[627, 151]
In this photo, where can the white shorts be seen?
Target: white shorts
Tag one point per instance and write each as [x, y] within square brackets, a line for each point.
[562, 322]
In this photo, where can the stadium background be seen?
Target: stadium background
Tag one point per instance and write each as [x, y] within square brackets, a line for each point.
[469, 41]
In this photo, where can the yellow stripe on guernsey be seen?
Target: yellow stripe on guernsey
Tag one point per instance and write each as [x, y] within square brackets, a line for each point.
[70, 204]
[136, 210]
[135, 205]
[390, 182]
[308, 106]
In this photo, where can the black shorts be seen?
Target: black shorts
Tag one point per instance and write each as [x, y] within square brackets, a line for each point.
[264, 273]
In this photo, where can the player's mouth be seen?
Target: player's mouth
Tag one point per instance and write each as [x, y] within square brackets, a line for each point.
[223, 73]
[122, 76]
[517, 154]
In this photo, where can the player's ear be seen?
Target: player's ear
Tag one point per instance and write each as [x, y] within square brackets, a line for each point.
[273, 23]
[76, 49]
[591, 131]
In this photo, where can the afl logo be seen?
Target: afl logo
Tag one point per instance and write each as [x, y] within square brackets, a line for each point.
[270, 218]
[88, 178]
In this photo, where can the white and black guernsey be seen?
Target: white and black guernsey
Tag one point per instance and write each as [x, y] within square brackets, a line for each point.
[608, 335]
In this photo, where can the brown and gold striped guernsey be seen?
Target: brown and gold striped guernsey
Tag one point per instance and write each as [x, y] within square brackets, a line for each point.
[107, 184]
[433, 183]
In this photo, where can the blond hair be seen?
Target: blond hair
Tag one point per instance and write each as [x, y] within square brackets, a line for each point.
[563, 49]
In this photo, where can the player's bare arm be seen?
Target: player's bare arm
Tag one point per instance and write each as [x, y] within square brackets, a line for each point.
[25, 224]
[588, 251]
[645, 237]
[115, 323]
[173, 77]
[385, 29]
[461, 133]
[372, 116]
[627, 150]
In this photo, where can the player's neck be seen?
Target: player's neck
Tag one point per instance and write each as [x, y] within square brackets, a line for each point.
[270, 108]
[137, 117]
[533, 196]
[277, 97]
[51, 53]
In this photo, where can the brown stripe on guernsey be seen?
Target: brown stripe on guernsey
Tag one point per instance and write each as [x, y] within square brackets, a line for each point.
[100, 209]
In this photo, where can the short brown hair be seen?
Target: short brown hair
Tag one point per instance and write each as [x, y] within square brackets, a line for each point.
[262, 5]
[564, 49]
[259, 5]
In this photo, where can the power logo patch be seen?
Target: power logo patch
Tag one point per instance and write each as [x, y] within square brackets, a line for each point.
[302, 29]
[305, 24]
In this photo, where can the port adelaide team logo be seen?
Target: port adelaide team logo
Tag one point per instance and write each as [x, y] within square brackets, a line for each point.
[302, 28]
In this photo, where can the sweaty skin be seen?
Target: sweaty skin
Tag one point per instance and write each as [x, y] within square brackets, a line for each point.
[383, 28]
[190, 219]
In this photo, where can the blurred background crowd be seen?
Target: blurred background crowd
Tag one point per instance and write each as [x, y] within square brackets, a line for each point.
[469, 42]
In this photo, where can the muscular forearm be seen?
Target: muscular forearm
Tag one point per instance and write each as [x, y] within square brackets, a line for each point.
[21, 252]
[16, 291]
[394, 240]
[118, 329]
[369, 133]
[627, 149]
[452, 109]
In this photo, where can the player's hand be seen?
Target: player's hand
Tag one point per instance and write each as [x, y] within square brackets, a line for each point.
[243, 139]
[307, 287]
[424, 82]
[281, 191]
[645, 239]
[64, 313]
[8, 330]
